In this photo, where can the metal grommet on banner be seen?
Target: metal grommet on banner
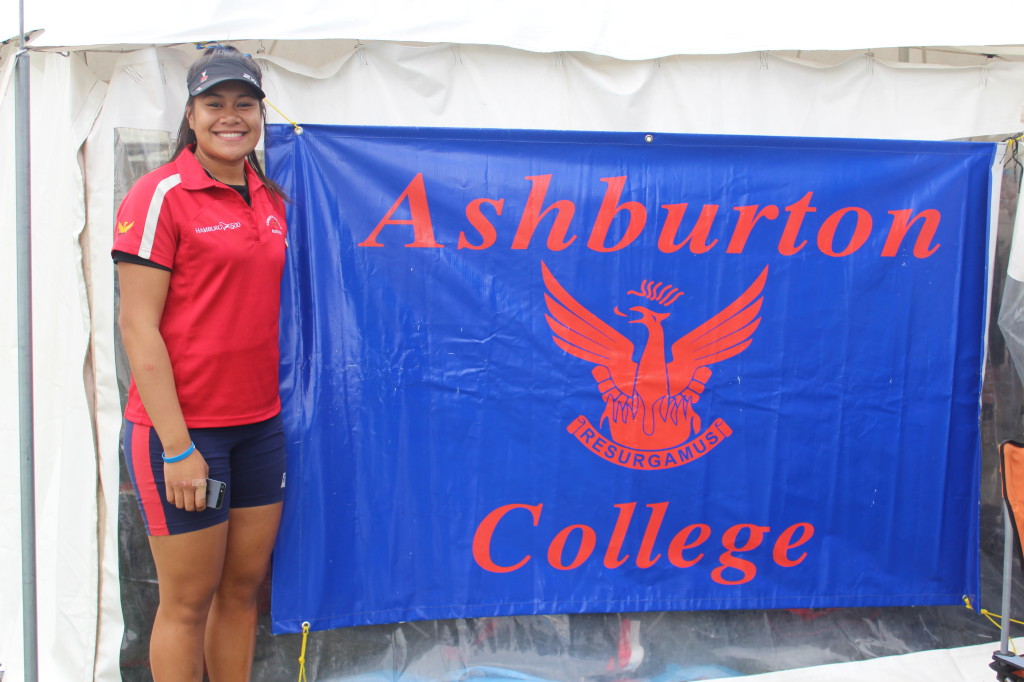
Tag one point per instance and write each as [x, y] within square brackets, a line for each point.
[648, 138]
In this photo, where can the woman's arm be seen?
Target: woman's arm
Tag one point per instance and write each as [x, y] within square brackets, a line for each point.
[143, 293]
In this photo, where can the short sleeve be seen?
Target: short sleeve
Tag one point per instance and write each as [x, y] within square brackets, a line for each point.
[122, 257]
[146, 225]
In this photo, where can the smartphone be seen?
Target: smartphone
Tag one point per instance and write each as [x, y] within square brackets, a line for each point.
[214, 493]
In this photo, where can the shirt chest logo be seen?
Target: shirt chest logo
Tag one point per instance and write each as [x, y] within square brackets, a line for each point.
[219, 227]
[274, 224]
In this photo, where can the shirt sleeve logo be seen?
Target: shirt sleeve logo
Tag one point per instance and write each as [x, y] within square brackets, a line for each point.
[123, 227]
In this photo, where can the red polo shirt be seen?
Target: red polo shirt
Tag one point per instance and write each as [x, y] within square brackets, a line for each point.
[220, 320]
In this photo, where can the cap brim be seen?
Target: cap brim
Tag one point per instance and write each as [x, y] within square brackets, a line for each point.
[216, 81]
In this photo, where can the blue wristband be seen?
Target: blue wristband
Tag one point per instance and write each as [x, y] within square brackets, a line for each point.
[178, 458]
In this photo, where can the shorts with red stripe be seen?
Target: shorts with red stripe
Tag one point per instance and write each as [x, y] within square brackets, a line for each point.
[249, 459]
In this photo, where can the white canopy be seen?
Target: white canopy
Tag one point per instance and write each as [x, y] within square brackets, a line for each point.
[642, 29]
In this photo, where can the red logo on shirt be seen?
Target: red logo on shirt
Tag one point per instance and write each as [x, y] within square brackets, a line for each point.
[649, 403]
[274, 224]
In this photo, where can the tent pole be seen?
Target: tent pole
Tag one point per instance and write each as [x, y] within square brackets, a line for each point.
[1004, 625]
[26, 417]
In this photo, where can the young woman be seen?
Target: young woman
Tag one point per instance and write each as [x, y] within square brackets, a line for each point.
[200, 247]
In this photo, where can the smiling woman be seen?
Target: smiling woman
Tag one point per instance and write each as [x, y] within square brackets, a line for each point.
[198, 240]
[227, 122]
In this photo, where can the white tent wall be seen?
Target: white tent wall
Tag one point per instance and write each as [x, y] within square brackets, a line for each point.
[81, 98]
[752, 93]
[68, 521]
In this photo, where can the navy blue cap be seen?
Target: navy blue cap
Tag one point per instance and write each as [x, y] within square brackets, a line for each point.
[221, 70]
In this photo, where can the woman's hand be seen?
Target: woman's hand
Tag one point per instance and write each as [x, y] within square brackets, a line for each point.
[186, 482]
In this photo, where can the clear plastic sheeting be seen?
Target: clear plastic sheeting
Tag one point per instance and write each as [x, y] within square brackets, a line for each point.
[673, 646]
[1011, 312]
[655, 646]
[1011, 322]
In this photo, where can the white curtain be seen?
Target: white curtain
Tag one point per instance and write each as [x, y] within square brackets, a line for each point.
[71, 519]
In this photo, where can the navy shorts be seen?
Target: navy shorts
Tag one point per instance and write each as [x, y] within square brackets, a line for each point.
[250, 459]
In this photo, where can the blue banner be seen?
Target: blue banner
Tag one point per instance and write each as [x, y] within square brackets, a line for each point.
[536, 372]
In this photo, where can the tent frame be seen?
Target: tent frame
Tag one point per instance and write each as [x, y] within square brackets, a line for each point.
[26, 416]
[1004, 661]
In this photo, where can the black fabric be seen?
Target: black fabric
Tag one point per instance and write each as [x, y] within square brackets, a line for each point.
[241, 189]
[125, 257]
[244, 191]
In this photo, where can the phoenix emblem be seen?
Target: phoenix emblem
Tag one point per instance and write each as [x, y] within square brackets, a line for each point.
[649, 402]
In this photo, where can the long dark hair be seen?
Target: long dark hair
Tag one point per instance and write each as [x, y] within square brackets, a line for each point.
[187, 136]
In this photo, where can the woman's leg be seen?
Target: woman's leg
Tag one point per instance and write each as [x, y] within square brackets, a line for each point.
[231, 629]
[188, 569]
